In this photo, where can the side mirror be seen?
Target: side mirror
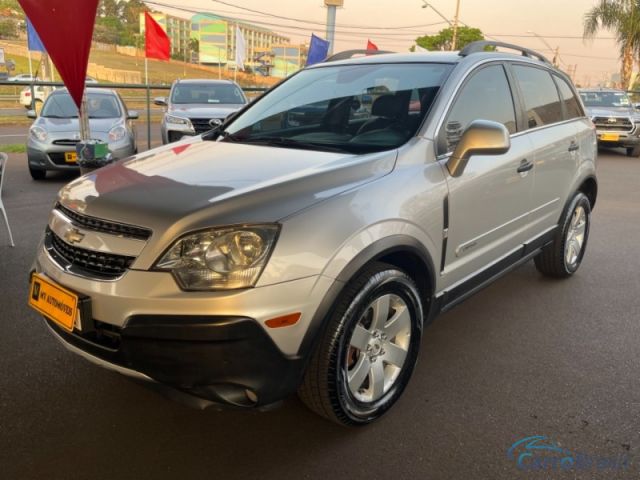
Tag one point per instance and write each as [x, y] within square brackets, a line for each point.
[32, 114]
[160, 101]
[133, 115]
[636, 106]
[482, 137]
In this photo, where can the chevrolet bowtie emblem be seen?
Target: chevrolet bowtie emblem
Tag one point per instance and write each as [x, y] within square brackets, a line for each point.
[73, 235]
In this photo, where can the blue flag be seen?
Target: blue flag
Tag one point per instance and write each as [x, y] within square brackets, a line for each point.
[318, 50]
[33, 40]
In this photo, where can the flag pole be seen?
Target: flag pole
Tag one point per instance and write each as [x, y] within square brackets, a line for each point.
[30, 64]
[146, 81]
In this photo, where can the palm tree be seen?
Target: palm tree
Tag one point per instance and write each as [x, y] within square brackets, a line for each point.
[622, 17]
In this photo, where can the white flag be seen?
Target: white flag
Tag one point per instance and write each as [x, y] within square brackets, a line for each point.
[241, 49]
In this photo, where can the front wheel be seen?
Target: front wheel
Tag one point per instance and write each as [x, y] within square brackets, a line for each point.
[368, 350]
[562, 258]
[37, 174]
[633, 151]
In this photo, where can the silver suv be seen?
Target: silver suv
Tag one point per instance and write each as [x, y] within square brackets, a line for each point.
[306, 244]
[196, 106]
[616, 119]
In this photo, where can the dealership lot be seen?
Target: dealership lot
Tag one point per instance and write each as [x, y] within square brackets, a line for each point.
[527, 356]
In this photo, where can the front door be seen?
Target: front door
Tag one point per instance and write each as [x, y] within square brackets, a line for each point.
[490, 202]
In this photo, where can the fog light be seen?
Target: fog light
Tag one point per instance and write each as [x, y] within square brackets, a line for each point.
[253, 398]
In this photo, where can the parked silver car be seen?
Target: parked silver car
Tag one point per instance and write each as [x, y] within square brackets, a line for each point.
[51, 144]
[306, 245]
[196, 106]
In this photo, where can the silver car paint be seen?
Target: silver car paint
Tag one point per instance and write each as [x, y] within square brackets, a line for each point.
[331, 208]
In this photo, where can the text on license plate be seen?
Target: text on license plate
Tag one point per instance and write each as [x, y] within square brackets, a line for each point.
[609, 137]
[53, 301]
[70, 157]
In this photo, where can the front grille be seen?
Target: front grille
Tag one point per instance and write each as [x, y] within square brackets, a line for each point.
[101, 265]
[98, 225]
[201, 125]
[66, 142]
[58, 158]
[619, 124]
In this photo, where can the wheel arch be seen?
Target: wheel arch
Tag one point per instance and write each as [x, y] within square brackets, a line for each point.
[402, 251]
[589, 187]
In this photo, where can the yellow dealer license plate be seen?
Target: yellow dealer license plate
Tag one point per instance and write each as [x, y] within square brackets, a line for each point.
[70, 157]
[53, 301]
[609, 137]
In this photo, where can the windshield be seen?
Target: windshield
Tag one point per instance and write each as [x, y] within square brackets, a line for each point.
[203, 93]
[99, 105]
[353, 108]
[605, 99]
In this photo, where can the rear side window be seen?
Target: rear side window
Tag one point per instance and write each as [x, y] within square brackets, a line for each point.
[540, 96]
[487, 96]
[571, 104]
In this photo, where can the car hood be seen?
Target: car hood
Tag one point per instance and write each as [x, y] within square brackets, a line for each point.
[204, 110]
[197, 184]
[72, 125]
[609, 111]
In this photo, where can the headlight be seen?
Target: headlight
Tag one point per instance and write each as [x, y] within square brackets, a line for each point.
[178, 120]
[220, 259]
[117, 133]
[38, 133]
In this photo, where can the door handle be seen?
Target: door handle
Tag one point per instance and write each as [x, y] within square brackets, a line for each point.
[525, 166]
[574, 146]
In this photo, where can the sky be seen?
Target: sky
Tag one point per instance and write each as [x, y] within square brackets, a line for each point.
[394, 24]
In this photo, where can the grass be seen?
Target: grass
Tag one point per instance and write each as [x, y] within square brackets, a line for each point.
[159, 72]
[14, 148]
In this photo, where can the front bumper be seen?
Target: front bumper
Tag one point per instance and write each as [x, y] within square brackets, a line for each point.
[43, 156]
[620, 138]
[214, 346]
[225, 360]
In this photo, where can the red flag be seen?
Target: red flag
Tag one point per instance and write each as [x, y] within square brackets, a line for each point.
[65, 28]
[371, 45]
[157, 42]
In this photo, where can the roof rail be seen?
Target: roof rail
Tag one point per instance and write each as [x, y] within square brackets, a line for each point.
[479, 46]
[347, 54]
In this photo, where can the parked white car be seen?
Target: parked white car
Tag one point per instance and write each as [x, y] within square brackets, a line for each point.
[23, 77]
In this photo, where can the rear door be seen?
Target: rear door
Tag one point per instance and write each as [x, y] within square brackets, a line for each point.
[489, 203]
[555, 145]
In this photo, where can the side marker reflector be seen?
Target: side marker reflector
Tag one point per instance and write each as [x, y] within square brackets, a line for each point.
[284, 321]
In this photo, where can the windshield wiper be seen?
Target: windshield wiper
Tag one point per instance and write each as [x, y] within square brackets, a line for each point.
[291, 143]
[58, 116]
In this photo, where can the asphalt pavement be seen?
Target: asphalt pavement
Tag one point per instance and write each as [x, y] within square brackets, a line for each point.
[527, 356]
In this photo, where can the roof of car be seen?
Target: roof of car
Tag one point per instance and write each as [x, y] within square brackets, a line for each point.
[431, 57]
[87, 89]
[204, 81]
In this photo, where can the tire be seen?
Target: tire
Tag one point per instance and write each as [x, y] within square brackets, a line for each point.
[37, 174]
[563, 257]
[352, 346]
[633, 151]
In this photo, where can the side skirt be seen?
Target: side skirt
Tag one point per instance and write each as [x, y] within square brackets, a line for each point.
[458, 293]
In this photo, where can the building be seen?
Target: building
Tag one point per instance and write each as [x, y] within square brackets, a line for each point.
[288, 59]
[216, 36]
[178, 30]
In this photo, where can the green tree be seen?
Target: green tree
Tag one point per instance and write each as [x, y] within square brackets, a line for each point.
[8, 28]
[622, 17]
[444, 38]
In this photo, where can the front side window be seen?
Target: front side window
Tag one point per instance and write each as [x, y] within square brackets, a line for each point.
[485, 96]
[540, 96]
[351, 108]
[207, 94]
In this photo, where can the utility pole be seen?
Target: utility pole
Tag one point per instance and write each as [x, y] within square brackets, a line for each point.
[332, 6]
[454, 42]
